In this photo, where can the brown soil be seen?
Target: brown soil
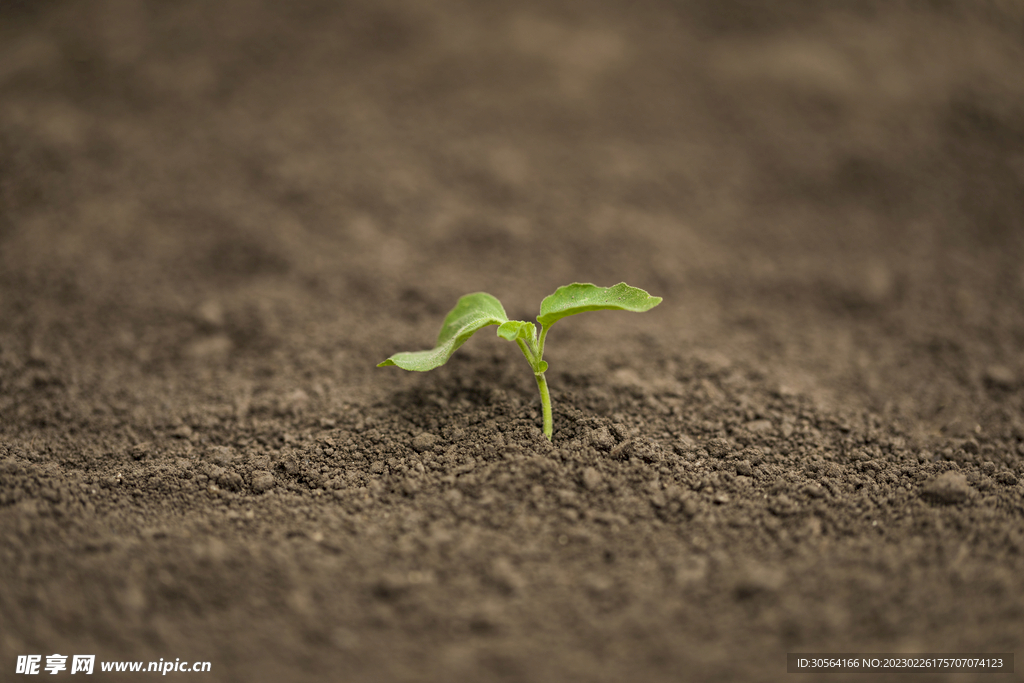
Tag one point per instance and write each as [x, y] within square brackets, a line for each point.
[216, 217]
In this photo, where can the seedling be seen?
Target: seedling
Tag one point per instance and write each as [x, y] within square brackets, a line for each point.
[474, 312]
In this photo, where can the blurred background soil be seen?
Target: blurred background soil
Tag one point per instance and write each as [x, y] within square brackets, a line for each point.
[217, 217]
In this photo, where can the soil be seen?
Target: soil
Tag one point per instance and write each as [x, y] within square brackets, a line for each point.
[217, 217]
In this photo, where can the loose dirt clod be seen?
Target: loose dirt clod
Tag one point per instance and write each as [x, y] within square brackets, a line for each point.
[591, 478]
[262, 481]
[423, 442]
[949, 488]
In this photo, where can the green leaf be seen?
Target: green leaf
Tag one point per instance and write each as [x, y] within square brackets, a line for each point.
[581, 297]
[473, 312]
[517, 329]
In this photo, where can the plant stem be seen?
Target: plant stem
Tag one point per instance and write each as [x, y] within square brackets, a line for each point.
[533, 349]
[540, 342]
[528, 352]
[545, 403]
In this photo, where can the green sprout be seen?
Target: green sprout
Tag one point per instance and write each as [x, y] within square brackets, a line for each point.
[474, 312]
